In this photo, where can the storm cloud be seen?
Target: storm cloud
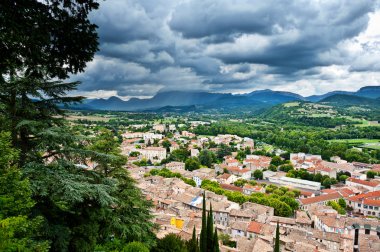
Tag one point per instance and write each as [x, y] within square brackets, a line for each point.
[308, 47]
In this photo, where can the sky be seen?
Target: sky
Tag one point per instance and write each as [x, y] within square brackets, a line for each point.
[235, 46]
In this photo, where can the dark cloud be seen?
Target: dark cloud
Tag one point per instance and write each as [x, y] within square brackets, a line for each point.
[227, 45]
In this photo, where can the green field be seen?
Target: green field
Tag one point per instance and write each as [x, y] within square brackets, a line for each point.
[361, 143]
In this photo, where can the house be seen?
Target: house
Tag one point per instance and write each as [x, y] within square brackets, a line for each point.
[254, 229]
[231, 188]
[154, 154]
[329, 223]
[248, 189]
[159, 127]
[202, 174]
[226, 178]
[175, 166]
[323, 170]
[239, 228]
[255, 162]
[371, 185]
[194, 152]
[244, 173]
[231, 162]
[305, 204]
[366, 203]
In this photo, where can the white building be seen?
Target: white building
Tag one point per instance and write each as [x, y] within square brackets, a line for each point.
[372, 185]
[298, 183]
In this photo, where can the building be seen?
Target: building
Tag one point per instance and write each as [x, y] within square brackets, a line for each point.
[254, 229]
[175, 166]
[154, 154]
[248, 189]
[226, 178]
[371, 185]
[244, 173]
[255, 162]
[297, 183]
[194, 152]
[367, 204]
[321, 200]
[159, 127]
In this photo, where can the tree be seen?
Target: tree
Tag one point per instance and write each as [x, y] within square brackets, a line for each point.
[192, 164]
[18, 231]
[371, 174]
[276, 161]
[203, 235]
[135, 247]
[42, 42]
[342, 203]
[166, 144]
[277, 241]
[210, 230]
[326, 182]
[192, 244]
[258, 174]
[206, 158]
[216, 242]
[170, 243]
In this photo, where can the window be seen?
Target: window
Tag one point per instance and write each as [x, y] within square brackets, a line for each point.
[370, 207]
[365, 206]
[367, 231]
[359, 205]
[376, 208]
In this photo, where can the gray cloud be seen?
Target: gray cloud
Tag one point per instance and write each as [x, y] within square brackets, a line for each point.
[233, 46]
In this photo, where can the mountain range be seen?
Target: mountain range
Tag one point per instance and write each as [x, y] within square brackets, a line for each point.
[206, 100]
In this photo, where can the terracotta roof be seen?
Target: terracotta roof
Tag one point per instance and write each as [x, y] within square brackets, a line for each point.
[362, 196]
[371, 202]
[328, 191]
[306, 193]
[346, 192]
[371, 183]
[254, 227]
[321, 198]
[231, 187]
[224, 176]
[237, 169]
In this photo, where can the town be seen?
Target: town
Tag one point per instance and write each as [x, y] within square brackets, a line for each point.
[320, 205]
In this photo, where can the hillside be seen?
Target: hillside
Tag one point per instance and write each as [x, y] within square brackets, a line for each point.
[226, 101]
[333, 111]
[344, 100]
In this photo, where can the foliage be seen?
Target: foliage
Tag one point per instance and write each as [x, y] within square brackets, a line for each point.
[258, 174]
[170, 243]
[337, 207]
[207, 158]
[283, 206]
[192, 164]
[277, 241]
[18, 231]
[169, 174]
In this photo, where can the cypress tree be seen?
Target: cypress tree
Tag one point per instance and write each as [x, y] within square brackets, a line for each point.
[203, 238]
[193, 243]
[277, 243]
[216, 242]
[210, 230]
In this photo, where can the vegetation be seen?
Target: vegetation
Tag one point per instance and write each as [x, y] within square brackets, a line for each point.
[50, 198]
[283, 204]
[169, 174]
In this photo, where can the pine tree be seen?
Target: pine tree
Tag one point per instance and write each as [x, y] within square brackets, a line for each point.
[210, 230]
[216, 241]
[277, 242]
[203, 238]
